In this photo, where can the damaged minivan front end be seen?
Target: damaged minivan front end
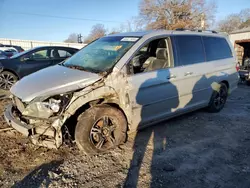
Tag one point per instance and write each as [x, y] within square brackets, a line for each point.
[38, 108]
[45, 100]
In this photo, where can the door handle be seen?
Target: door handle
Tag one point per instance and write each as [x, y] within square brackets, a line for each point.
[188, 73]
[171, 76]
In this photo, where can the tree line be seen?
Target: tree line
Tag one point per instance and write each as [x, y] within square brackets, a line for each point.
[170, 15]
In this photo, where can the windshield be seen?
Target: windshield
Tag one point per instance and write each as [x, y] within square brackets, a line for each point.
[21, 53]
[102, 54]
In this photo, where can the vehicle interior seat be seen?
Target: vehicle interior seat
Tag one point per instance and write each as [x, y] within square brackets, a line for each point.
[161, 59]
[56, 54]
[160, 62]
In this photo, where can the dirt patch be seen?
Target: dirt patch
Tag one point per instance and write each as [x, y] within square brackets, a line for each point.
[195, 150]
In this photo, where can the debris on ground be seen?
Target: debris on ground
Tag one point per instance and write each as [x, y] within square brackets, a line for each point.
[195, 150]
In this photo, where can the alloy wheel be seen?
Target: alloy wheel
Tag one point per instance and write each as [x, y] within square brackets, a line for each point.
[102, 134]
[6, 81]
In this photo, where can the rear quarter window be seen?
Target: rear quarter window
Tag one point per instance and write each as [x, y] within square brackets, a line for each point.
[216, 48]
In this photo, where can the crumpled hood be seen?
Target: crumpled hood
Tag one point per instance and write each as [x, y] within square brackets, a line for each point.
[52, 81]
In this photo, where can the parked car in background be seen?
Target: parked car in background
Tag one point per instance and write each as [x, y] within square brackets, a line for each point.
[244, 70]
[124, 82]
[30, 61]
[17, 48]
[9, 51]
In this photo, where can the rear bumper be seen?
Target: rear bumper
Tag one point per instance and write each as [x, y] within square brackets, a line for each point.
[12, 121]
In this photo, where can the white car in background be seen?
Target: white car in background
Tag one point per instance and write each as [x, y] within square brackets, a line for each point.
[3, 55]
[9, 51]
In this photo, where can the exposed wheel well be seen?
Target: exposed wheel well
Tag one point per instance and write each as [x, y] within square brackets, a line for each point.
[118, 107]
[72, 121]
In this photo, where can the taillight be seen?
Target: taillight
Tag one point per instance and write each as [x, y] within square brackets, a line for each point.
[237, 67]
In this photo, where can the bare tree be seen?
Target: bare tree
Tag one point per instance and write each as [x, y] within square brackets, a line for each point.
[245, 15]
[235, 21]
[245, 24]
[131, 25]
[172, 14]
[231, 23]
[96, 32]
[72, 38]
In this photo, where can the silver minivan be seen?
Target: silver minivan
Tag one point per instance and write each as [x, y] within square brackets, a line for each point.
[121, 83]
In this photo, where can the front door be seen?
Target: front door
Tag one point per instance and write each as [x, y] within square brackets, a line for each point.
[152, 90]
[153, 95]
[35, 61]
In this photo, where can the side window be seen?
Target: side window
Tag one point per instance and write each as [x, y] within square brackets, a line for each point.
[59, 53]
[152, 56]
[69, 54]
[190, 49]
[62, 53]
[39, 55]
[216, 48]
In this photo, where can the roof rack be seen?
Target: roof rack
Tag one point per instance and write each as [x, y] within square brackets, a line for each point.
[197, 30]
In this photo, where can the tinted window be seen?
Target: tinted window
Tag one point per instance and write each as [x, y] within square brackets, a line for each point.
[39, 55]
[216, 48]
[190, 50]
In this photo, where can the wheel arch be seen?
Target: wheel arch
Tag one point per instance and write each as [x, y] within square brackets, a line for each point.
[83, 103]
[11, 71]
[226, 83]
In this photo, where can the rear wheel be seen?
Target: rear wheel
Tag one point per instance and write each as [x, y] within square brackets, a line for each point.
[7, 80]
[100, 129]
[218, 99]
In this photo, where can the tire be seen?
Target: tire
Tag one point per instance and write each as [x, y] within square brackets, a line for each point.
[218, 99]
[7, 80]
[100, 129]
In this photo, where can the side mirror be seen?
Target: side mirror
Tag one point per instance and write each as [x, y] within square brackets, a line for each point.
[25, 59]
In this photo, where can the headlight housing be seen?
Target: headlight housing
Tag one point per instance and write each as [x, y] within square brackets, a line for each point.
[49, 107]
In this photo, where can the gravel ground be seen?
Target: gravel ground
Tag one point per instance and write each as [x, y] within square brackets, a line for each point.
[195, 150]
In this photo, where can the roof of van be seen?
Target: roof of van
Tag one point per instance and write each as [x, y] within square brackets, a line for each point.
[162, 32]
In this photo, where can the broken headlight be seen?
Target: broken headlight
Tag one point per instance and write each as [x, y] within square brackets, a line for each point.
[49, 107]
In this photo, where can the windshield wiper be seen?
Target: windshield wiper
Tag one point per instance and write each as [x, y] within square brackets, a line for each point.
[75, 67]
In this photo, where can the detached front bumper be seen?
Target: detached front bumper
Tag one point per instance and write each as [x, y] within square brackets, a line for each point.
[20, 126]
[42, 134]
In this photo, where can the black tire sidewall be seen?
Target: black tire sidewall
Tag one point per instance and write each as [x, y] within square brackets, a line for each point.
[211, 107]
[87, 119]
